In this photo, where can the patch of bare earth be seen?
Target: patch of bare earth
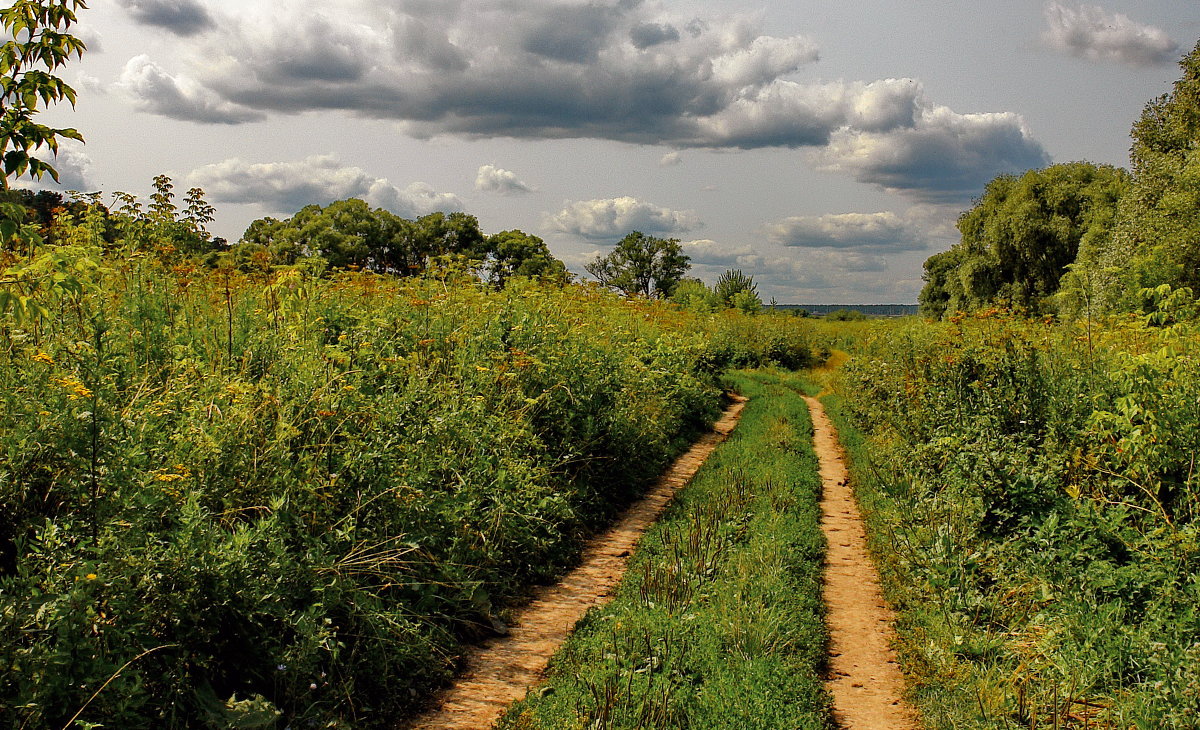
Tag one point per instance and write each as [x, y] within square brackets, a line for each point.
[864, 678]
[505, 668]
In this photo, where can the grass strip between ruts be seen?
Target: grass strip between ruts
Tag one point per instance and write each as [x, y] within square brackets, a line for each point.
[719, 621]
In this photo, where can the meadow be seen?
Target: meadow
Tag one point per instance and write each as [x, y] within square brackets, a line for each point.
[234, 497]
[240, 496]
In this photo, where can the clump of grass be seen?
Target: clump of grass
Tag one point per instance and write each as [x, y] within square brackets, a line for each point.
[719, 621]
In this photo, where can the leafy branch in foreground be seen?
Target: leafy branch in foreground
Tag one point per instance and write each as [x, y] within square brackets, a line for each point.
[39, 44]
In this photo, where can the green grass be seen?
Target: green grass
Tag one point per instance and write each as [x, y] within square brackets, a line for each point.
[719, 622]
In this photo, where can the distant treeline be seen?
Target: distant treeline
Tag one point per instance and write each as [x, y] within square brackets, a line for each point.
[870, 310]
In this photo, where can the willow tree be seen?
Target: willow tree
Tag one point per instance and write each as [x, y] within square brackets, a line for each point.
[1157, 238]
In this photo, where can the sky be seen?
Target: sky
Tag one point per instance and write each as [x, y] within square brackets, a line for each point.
[825, 147]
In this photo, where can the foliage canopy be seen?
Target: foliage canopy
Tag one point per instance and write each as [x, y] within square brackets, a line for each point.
[1020, 237]
[641, 264]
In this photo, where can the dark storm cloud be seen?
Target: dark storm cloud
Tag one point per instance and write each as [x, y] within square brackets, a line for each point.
[944, 158]
[181, 17]
[645, 35]
[427, 46]
[572, 33]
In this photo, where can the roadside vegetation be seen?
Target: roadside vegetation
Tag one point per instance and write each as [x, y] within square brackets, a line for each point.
[1033, 495]
[719, 621]
[233, 494]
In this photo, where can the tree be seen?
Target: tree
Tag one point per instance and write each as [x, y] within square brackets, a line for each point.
[441, 234]
[737, 290]
[642, 264]
[349, 233]
[1020, 237]
[39, 45]
[516, 253]
[1157, 235]
[695, 296]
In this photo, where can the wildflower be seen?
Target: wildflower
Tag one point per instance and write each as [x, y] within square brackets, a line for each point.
[90, 576]
[78, 390]
[180, 473]
[281, 667]
[43, 358]
[312, 685]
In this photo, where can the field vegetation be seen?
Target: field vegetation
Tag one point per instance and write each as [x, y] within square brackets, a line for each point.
[1033, 496]
[719, 621]
[237, 494]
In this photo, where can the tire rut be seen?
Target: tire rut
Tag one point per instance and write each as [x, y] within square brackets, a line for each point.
[503, 669]
[864, 676]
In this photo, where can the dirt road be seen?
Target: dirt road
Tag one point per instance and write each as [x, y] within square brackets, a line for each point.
[864, 678]
[505, 668]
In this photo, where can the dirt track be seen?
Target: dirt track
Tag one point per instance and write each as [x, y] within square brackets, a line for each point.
[864, 678]
[504, 669]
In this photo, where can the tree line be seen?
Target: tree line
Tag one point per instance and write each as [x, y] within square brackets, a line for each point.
[1079, 238]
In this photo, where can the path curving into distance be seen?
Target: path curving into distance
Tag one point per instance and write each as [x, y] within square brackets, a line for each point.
[864, 677]
[503, 669]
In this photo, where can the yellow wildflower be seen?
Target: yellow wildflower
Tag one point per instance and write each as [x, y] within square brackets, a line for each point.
[180, 473]
[78, 390]
[43, 358]
[91, 576]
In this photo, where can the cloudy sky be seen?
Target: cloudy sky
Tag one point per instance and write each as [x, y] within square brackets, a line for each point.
[823, 146]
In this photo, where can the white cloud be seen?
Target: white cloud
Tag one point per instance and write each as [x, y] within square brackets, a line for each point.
[178, 97]
[945, 157]
[613, 218]
[763, 60]
[706, 252]
[670, 159]
[789, 114]
[862, 232]
[286, 187]
[72, 164]
[1093, 33]
[492, 179]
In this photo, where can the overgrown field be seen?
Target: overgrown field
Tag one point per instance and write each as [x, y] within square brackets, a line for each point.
[1033, 494]
[235, 500]
[719, 621]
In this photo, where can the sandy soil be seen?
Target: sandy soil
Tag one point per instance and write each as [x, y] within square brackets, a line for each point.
[505, 668]
[864, 678]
